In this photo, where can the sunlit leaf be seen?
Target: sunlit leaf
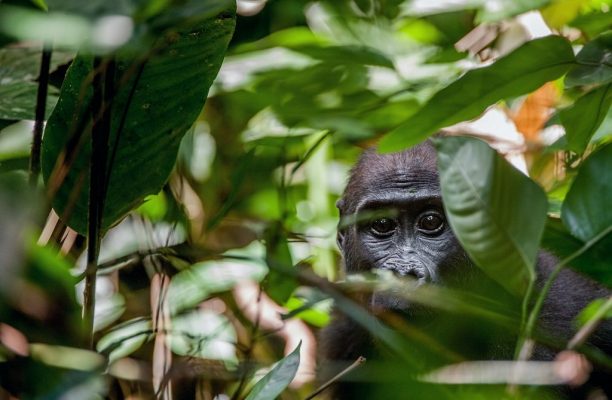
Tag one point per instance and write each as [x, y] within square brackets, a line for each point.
[599, 306]
[205, 334]
[522, 71]
[582, 119]
[275, 381]
[193, 285]
[67, 357]
[594, 62]
[497, 213]
[159, 100]
[125, 338]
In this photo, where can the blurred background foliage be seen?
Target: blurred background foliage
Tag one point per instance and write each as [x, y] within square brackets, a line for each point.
[221, 267]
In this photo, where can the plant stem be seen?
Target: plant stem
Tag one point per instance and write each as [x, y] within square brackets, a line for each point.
[360, 360]
[103, 82]
[41, 103]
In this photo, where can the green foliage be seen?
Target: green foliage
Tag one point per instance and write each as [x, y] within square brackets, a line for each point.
[593, 63]
[469, 96]
[228, 155]
[497, 213]
[582, 119]
[585, 209]
[146, 127]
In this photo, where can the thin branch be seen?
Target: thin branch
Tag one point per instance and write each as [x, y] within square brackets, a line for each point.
[41, 103]
[583, 334]
[360, 360]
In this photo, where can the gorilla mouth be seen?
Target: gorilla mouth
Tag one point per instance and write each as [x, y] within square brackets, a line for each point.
[387, 300]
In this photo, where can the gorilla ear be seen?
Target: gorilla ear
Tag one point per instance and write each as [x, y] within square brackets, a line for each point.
[340, 205]
[341, 232]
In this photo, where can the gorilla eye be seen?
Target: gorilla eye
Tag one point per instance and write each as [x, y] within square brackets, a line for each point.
[430, 223]
[383, 226]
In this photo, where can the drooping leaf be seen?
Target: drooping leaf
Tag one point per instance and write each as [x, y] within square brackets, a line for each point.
[275, 381]
[582, 119]
[157, 101]
[522, 71]
[497, 213]
[586, 209]
[594, 62]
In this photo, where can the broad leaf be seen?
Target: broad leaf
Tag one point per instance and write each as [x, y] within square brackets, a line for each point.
[497, 213]
[522, 71]
[586, 209]
[594, 62]
[275, 381]
[582, 119]
[157, 101]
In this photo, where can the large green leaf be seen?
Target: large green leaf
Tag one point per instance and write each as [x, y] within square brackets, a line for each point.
[275, 381]
[586, 209]
[497, 213]
[594, 62]
[521, 71]
[157, 101]
[582, 119]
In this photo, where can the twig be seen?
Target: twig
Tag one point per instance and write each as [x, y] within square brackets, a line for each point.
[360, 360]
[41, 103]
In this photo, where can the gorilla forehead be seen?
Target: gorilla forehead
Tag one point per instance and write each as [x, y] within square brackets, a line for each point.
[413, 170]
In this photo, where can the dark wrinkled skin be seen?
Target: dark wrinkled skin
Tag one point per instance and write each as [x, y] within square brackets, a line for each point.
[406, 185]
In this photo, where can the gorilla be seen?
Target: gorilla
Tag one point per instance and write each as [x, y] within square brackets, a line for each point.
[407, 233]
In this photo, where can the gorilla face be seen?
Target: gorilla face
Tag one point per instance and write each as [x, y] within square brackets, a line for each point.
[408, 234]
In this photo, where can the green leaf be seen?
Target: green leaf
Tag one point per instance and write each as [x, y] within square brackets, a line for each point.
[275, 381]
[497, 213]
[594, 62]
[582, 119]
[522, 71]
[586, 209]
[193, 285]
[497, 10]
[126, 338]
[154, 106]
[19, 69]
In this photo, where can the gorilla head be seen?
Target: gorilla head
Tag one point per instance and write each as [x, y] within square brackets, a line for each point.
[399, 222]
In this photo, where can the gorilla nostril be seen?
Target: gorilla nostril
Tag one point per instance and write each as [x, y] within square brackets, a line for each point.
[412, 272]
